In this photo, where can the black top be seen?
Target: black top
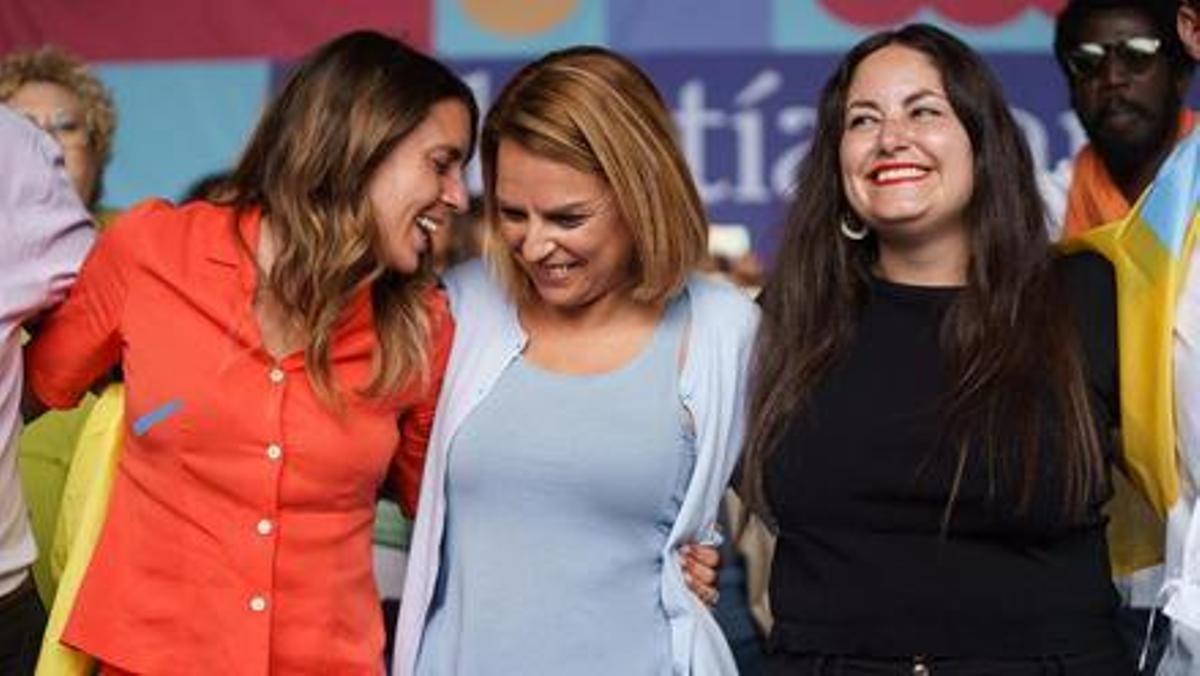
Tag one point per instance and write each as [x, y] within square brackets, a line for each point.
[858, 488]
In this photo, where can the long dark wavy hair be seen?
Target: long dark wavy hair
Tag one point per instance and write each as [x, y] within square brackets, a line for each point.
[1006, 334]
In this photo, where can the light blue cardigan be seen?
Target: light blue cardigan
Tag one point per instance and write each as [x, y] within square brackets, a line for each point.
[713, 388]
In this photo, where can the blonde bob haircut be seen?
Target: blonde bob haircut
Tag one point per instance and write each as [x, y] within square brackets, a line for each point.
[596, 112]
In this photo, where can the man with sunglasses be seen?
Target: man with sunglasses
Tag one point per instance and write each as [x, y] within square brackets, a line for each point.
[1128, 74]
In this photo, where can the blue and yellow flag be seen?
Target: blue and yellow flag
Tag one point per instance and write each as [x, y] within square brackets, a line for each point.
[1149, 250]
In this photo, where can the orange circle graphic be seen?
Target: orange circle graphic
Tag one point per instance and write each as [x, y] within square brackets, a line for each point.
[519, 18]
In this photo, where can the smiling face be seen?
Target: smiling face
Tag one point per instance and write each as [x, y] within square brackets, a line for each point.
[906, 161]
[1127, 111]
[563, 230]
[419, 185]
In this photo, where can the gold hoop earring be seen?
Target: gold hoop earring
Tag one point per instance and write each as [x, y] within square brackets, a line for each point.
[850, 233]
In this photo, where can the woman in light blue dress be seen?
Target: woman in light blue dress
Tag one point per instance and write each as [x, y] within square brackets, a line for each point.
[593, 406]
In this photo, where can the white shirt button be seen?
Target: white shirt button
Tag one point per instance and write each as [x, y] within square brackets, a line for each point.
[274, 452]
[258, 604]
[276, 375]
[264, 527]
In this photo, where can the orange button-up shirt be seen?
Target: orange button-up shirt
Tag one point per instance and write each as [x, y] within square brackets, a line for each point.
[238, 537]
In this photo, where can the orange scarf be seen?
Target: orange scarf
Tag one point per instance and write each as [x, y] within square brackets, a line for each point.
[1094, 199]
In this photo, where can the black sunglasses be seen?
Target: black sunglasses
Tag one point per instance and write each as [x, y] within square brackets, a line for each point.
[1136, 54]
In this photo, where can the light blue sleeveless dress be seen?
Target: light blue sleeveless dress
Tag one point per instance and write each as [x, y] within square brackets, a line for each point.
[561, 490]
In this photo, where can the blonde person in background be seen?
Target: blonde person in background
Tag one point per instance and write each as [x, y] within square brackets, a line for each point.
[60, 94]
[592, 410]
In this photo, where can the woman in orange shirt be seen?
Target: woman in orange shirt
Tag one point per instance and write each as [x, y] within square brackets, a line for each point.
[270, 343]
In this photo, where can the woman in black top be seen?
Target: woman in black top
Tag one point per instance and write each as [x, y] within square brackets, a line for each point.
[934, 391]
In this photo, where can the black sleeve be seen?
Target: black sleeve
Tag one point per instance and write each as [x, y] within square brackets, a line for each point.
[1089, 285]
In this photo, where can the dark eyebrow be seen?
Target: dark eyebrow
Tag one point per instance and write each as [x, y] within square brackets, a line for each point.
[908, 100]
[921, 94]
[455, 153]
[862, 104]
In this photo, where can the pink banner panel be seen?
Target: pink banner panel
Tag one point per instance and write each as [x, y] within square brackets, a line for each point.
[116, 30]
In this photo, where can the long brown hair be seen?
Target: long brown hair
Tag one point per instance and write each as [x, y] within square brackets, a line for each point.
[1006, 334]
[307, 167]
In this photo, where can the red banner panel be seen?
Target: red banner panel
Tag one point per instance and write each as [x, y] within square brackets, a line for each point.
[114, 30]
